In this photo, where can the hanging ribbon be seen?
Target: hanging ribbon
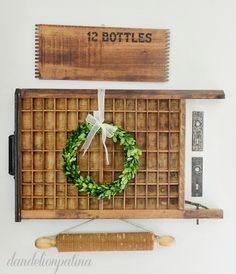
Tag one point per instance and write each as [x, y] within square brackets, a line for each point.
[97, 120]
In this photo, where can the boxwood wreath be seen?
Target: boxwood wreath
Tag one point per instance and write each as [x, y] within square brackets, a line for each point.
[88, 185]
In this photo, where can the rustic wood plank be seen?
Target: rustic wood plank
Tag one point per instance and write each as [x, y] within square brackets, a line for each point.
[116, 93]
[182, 154]
[101, 53]
[119, 214]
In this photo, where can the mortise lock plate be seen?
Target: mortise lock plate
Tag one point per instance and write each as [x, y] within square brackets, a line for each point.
[197, 131]
[197, 169]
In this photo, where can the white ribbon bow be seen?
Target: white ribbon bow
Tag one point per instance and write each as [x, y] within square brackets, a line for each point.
[97, 120]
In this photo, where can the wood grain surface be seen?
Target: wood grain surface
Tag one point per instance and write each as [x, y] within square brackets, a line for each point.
[155, 118]
[101, 53]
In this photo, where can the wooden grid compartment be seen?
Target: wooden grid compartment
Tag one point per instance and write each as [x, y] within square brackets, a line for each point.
[46, 123]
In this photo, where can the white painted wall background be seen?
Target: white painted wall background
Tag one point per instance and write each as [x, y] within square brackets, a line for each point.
[202, 56]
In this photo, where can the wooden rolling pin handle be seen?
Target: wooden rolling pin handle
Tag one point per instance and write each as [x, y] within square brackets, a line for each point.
[164, 240]
[45, 242]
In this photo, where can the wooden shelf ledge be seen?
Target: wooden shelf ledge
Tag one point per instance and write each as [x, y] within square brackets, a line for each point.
[116, 93]
[123, 214]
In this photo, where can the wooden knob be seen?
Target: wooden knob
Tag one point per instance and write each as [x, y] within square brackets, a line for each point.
[45, 242]
[164, 240]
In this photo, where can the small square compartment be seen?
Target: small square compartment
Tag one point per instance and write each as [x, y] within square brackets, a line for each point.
[141, 121]
[141, 104]
[60, 103]
[141, 140]
[152, 177]
[141, 177]
[174, 177]
[164, 121]
[83, 104]
[163, 177]
[38, 103]
[60, 203]
[94, 175]
[93, 203]
[163, 190]
[49, 177]
[38, 161]
[49, 203]
[107, 177]
[174, 141]
[163, 203]
[130, 121]
[82, 160]
[130, 104]
[38, 203]
[141, 190]
[82, 203]
[129, 203]
[59, 160]
[72, 103]
[26, 104]
[152, 122]
[49, 190]
[118, 203]
[152, 161]
[152, 141]
[72, 190]
[72, 203]
[108, 104]
[94, 160]
[163, 161]
[26, 160]
[174, 104]
[174, 121]
[38, 141]
[38, 177]
[107, 203]
[174, 189]
[152, 190]
[26, 141]
[152, 104]
[119, 119]
[49, 140]
[164, 105]
[163, 141]
[60, 190]
[130, 190]
[27, 177]
[49, 104]
[152, 203]
[174, 160]
[60, 177]
[27, 203]
[141, 203]
[142, 161]
[27, 121]
[49, 120]
[72, 120]
[119, 104]
[38, 120]
[61, 121]
[38, 190]
[119, 160]
[49, 161]
[173, 203]
[26, 190]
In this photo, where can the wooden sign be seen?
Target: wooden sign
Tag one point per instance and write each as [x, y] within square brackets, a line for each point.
[101, 53]
[156, 118]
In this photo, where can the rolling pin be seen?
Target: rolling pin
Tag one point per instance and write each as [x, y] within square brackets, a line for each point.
[122, 241]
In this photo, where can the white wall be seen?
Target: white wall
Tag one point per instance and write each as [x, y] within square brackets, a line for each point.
[202, 56]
